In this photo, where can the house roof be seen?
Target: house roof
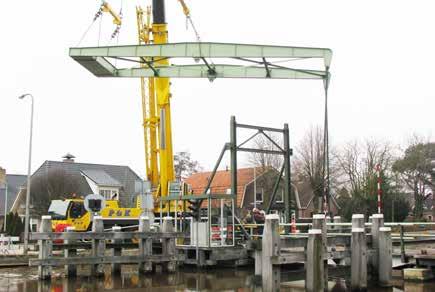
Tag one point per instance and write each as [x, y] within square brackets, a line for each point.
[221, 182]
[127, 179]
[101, 178]
[14, 182]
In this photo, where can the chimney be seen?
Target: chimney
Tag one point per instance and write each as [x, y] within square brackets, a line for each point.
[68, 157]
[2, 176]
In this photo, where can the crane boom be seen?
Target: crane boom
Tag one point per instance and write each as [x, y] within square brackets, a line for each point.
[163, 96]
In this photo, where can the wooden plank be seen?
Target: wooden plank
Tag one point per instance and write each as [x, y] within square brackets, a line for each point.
[104, 235]
[134, 259]
[284, 259]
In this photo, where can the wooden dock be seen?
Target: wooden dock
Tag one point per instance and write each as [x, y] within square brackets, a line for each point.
[146, 257]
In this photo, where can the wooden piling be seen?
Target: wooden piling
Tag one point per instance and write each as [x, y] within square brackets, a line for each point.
[70, 270]
[319, 222]
[258, 264]
[168, 247]
[377, 222]
[385, 257]
[145, 245]
[358, 257]
[98, 246]
[45, 248]
[116, 251]
[271, 277]
[314, 268]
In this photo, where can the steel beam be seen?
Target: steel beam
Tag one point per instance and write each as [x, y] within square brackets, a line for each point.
[205, 50]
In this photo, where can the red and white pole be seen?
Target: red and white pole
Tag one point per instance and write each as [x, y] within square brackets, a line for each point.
[378, 171]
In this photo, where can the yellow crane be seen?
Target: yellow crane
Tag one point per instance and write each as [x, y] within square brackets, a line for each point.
[156, 98]
[156, 104]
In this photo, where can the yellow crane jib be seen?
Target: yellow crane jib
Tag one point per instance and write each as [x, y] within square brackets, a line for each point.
[107, 8]
[186, 10]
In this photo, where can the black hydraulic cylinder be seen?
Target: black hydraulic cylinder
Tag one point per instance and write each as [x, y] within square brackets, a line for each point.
[159, 11]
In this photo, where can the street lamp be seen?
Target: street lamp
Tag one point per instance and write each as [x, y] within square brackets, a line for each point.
[26, 221]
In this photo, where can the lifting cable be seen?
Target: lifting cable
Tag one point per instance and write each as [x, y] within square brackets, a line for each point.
[189, 19]
[97, 15]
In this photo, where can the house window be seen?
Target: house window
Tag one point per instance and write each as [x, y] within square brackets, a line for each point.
[280, 196]
[259, 196]
[228, 192]
[109, 194]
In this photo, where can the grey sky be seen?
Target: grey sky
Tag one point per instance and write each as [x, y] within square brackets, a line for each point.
[382, 77]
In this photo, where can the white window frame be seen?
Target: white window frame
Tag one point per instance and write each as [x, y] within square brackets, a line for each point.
[262, 196]
[108, 193]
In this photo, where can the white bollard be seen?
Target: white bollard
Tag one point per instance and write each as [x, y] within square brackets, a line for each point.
[385, 257]
[145, 245]
[271, 274]
[45, 248]
[314, 265]
[358, 259]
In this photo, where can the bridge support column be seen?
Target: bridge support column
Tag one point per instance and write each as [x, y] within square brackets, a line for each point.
[258, 264]
[168, 247]
[314, 267]
[70, 270]
[271, 278]
[377, 223]
[358, 257]
[116, 268]
[98, 246]
[319, 222]
[145, 246]
[385, 259]
[45, 248]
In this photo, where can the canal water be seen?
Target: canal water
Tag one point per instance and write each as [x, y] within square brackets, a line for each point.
[25, 279]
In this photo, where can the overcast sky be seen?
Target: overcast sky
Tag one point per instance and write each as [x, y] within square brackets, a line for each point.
[382, 77]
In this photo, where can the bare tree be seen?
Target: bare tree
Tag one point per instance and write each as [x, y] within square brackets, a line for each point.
[184, 165]
[309, 164]
[357, 162]
[266, 161]
[55, 184]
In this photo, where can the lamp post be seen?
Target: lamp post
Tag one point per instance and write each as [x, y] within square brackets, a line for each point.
[27, 219]
[6, 204]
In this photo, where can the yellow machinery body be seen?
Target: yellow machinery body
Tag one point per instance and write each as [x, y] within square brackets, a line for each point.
[71, 212]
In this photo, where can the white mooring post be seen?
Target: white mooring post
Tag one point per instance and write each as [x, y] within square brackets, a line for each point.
[377, 223]
[145, 246]
[116, 251]
[271, 278]
[45, 248]
[319, 222]
[385, 257]
[314, 265]
[98, 246]
[358, 221]
[70, 270]
[358, 257]
[168, 247]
